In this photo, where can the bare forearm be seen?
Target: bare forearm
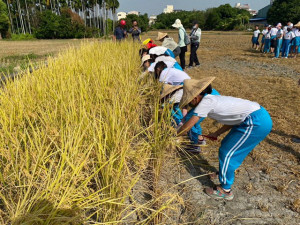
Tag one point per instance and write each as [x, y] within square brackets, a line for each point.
[223, 129]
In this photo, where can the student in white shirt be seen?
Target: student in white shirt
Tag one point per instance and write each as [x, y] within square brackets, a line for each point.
[264, 32]
[274, 31]
[296, 42]
[255, 43]
[288, 38]
[268, 40]
[169, 75]
[248, 122]
[279, 38]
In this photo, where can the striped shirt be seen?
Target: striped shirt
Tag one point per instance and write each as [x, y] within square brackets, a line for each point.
[224, 109]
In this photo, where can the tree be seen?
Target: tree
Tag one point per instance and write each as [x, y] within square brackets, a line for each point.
[4, 20]
[284, 11]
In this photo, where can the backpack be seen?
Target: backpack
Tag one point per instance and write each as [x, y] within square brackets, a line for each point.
[187, 40]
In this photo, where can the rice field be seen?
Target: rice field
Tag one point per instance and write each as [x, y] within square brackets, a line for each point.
[83, 141]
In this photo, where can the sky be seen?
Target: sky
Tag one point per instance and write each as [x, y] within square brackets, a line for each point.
[155, 7]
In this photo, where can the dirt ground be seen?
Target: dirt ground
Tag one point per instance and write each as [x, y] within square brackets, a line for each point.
[267, 184]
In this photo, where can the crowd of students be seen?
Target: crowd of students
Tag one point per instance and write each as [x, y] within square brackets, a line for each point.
[190, 101]
[278, 39]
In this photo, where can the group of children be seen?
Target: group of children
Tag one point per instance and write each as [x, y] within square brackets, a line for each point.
[191, 101]
[278, 40]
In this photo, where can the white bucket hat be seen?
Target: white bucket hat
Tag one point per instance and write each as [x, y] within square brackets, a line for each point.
[159, 50]
[145, 58]
[152, 66]
[177, 23]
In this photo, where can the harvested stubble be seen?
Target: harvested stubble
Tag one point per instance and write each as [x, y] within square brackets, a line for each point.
[76, 137]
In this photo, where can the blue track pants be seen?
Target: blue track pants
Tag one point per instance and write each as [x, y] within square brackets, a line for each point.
[278, 48]
[286, 48]
[240, 141]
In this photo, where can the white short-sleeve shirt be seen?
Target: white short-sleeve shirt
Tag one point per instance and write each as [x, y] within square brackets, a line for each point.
[173, 76]
[264, 32]
[289, 36]
[279, 34]
[226, 110]
[177, 96]
[256, 33]
[274, 31]
[296, 32]
[268, 35]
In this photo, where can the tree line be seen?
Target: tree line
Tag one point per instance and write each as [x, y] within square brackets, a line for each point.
[24, 16]
[224, 17]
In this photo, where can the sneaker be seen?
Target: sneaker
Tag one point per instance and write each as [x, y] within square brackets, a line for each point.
[193, 149]
[202, 142]
[198, 65]
[219, 193]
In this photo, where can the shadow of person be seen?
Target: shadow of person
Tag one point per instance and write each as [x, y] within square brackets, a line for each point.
[197, 165]
[44, 212]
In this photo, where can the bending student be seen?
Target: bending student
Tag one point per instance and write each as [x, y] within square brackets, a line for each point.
[248, 122]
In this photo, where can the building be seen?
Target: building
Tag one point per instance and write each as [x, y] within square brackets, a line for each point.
[152, 20]
[246, 7]
[169, 9]
[134, 13]
[121, 15]
[261, 17]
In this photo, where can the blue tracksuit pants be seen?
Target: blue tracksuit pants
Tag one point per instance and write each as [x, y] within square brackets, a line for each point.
[286, 48]
[239, 142]
[278, 48]
[267, 45]
[197, 130]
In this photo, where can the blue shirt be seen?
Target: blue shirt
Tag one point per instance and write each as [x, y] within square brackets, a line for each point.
[120, 33]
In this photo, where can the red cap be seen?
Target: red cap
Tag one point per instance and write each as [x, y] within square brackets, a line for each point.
[123, 22]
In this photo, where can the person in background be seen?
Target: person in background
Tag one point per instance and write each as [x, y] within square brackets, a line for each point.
[264, 32]
[274, 31]
[168, 43]
[120, 32]
[255, 42]
[289, 25]
[268, 40]
[149, 43]
[288, 39]
[296, 42]
[195, 37]
[279, 38]
[181, 42]
[248, 123]
[135, 31]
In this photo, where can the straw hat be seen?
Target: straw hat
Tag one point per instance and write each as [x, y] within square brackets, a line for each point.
[161, 35]
[177, 23]
[168, 89]
[145, 58]
[193, 88]
[159, 50]
[297, 25]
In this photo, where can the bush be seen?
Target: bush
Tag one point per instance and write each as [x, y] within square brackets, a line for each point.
[21, 37]
[4, 20]
[66, 25]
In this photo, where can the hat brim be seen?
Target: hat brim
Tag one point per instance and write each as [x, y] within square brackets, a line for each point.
[163, 36]
[170, 91]
[188, 100]
[177, 25]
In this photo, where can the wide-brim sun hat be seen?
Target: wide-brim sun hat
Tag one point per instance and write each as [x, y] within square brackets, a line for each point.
[161, 35]
[169, 89]
[192, 88]
[177, 23]
[297, 25]
[159, 50]
[145, 58]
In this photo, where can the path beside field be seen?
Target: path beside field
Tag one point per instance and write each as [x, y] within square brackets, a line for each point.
[267, 184]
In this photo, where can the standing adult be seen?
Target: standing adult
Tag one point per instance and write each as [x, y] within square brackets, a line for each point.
[168, 43]
[279, 37]
[135, 31]
[120, 32]
[195, 37]
[181, 41]
[274, 31]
